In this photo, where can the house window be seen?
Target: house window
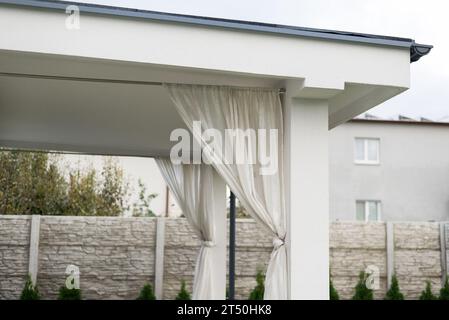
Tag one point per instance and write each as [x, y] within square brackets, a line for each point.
[368, 210]
[367, 150]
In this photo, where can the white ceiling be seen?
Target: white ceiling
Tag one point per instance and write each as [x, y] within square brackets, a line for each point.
[93, 116]
[87, 117]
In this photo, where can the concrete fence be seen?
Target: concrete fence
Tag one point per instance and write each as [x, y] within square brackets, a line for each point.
[116, 256]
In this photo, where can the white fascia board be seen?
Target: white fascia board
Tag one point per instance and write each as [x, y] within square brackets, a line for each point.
[323, 63]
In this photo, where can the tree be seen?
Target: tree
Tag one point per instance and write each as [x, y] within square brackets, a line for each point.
[30, 291]
[146, 293]
[333, 294]
[444, 292]
[113, 192]
[394, 293]
[427, 294]
[141, 208]
[258, 291]
[33, 183]
[30, 183]
[82, 193]
[362, 292]
[183, 293]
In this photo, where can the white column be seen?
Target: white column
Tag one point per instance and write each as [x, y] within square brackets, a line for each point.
[219, 260]
[307, 196]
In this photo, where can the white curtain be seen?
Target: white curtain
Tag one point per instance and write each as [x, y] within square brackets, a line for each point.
[224, 108]
[192, 187]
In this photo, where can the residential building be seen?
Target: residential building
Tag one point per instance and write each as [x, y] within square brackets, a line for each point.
[389, 170]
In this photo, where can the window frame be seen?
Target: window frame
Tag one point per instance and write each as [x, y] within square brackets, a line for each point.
[366, 210]
[365, 160]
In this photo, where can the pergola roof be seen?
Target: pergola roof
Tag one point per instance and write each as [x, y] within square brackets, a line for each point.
[416, 50]
[90, 90]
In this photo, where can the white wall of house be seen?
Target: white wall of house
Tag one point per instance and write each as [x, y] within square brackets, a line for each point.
[411, 180]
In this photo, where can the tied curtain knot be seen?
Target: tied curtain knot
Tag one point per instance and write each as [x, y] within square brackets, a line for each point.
[278, 242]
[208, 244]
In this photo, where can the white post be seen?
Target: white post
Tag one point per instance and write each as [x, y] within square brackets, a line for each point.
[159, 258]
[34, 247]
[443, 247]
[307, 196]
[390, 252]
[219, 260]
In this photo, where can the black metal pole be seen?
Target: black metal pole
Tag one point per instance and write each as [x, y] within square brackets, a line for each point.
[231, 246]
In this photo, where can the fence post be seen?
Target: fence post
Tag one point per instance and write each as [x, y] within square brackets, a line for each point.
[390, 252]
[34, 247]
[443, 236]
[159, 258]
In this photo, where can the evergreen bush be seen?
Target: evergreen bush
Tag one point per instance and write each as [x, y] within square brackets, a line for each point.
[394, 293]
[444, 292]
[362, 292]
[333, 294]
[427, 294]
[69, 294]
[30, 291]
[183, 293]
[146, 293]
[258, 291]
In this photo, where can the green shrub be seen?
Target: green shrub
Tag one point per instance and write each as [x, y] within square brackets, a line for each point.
[146, 293]
[394, 293]
[258, 291]
[333, 294]
[427, 294]
[69, 294]
[30, 291]
[183, 293]
[444, 292]
[362, 292]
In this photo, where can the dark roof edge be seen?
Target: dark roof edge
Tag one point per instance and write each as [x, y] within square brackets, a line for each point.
[416, 50]
[406, 122]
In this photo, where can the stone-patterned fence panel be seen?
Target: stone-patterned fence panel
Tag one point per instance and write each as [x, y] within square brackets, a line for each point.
[354, 247]
[14, 252]
[117, 256]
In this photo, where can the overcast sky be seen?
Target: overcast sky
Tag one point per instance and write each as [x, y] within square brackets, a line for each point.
[425, 21]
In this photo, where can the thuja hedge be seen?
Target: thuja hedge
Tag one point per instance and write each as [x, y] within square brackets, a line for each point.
[361, 291]
[30, 291]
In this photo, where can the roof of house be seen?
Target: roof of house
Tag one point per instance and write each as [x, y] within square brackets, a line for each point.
[401, 119]
[416, 50]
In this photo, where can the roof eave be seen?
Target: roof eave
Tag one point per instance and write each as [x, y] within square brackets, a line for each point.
[416, 50]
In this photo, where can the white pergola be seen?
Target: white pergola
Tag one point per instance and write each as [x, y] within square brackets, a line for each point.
[97, 90]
